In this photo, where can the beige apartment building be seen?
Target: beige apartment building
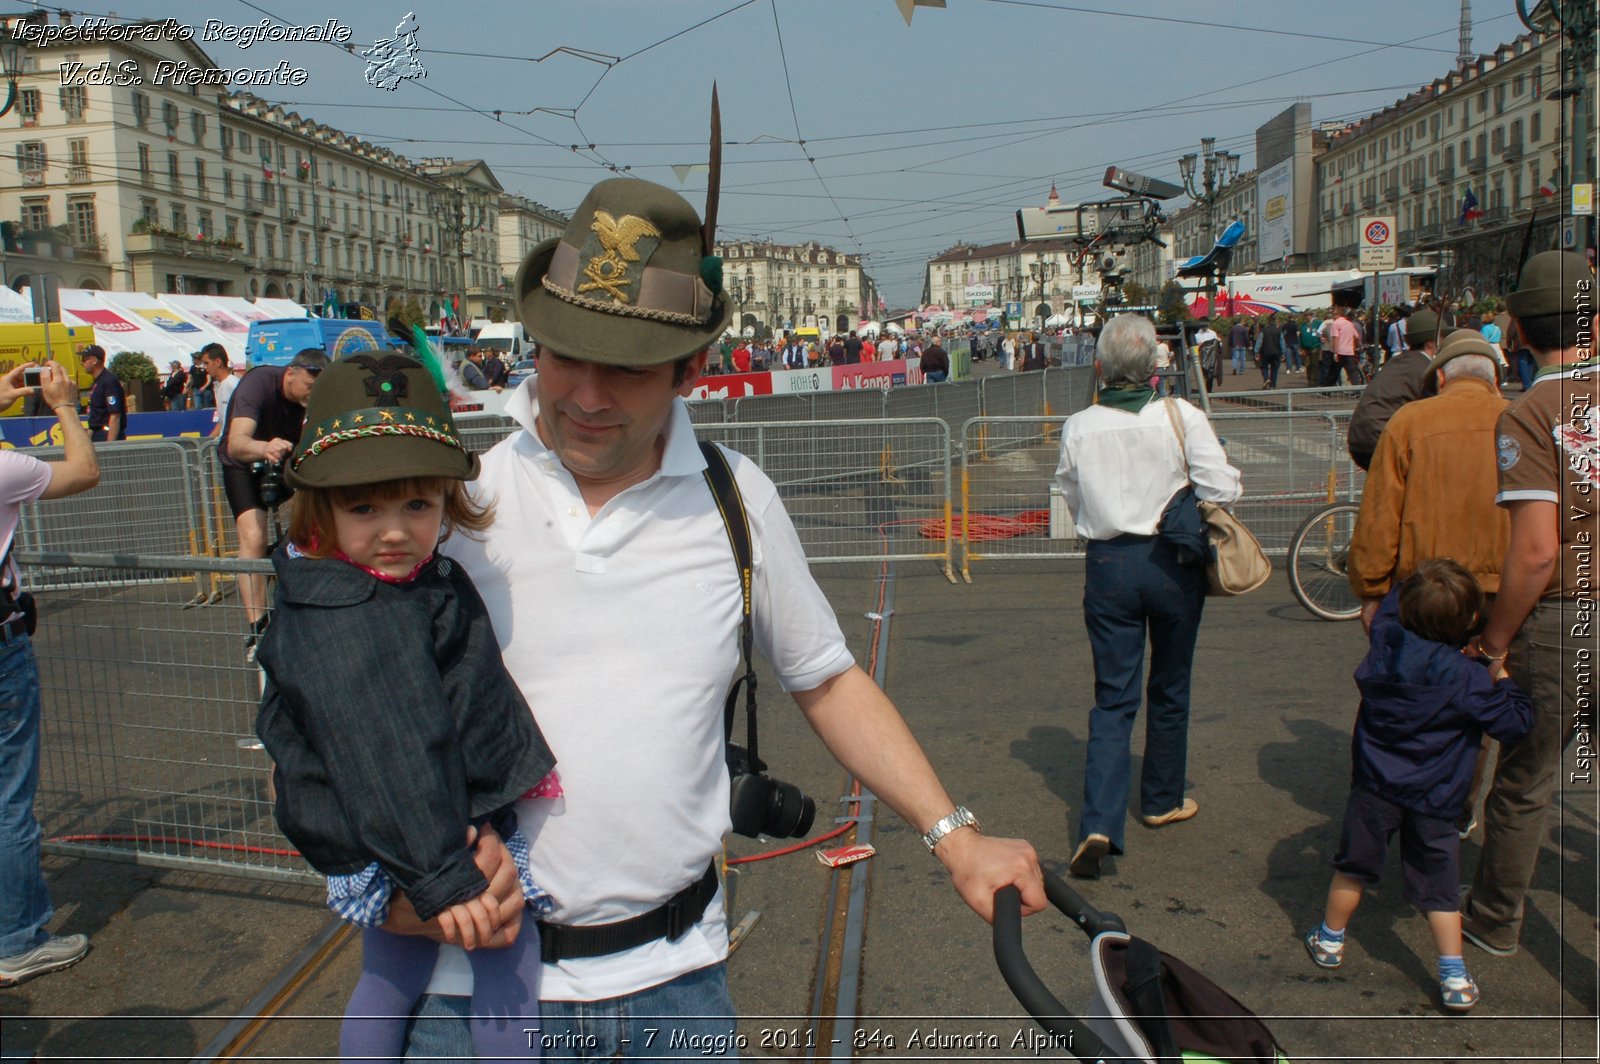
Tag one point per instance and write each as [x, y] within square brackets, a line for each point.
[967, 276]
[794, 286]
[127, 182]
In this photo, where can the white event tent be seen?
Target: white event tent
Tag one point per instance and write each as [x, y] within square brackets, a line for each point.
[120, 330]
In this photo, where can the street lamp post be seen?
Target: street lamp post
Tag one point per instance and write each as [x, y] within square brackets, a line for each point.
[11, 58]
[457, 217]
[1042, 271]
[1579, 22]
[1209, 167]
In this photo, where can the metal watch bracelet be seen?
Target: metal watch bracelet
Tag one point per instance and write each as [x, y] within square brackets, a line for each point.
[961, 818]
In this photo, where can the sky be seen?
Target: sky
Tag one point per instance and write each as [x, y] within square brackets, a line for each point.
[842, 124]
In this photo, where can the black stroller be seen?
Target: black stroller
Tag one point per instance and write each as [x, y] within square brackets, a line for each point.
[1147, 1007]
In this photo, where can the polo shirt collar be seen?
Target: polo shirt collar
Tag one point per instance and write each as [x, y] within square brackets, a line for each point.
[680, 458]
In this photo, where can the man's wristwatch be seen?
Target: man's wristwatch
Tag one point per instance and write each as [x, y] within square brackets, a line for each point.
[961, 818]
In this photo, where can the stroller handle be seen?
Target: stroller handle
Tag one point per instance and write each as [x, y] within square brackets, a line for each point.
[1026, 985]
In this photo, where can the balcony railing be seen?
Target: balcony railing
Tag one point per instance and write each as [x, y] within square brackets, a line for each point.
[181, 247]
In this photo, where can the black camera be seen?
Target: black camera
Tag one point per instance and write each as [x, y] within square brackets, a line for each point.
[761, 805]
[269, 483]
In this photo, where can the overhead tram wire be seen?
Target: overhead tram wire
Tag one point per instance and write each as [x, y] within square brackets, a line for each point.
[788, 85]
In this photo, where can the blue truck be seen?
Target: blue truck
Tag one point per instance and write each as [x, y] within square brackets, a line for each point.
[276, 341]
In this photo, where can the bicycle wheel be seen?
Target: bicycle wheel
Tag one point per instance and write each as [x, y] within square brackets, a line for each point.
[1318, 556]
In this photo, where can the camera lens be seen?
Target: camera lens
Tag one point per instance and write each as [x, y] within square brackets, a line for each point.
[791, 813]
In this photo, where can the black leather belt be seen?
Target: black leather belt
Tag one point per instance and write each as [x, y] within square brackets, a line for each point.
[669, 920]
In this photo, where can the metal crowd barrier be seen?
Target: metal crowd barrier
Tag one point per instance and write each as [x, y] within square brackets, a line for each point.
[1290, 464]
[148, 746]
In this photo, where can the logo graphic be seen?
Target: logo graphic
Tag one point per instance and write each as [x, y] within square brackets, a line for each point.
[1582, 448]
[619, 236]
[1377, 233]
[393, 61]
[1508, 451]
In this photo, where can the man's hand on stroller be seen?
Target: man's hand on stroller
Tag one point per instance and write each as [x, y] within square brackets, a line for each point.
[979, 865]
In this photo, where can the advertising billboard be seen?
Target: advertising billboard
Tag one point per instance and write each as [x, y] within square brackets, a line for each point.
[1275, 200]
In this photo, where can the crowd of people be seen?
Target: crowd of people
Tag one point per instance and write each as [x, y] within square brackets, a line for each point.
[1471, 558]
[536, 829]
[1340, 345]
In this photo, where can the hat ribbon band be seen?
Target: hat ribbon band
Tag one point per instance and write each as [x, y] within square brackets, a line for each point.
[335, 437]
[664, 295]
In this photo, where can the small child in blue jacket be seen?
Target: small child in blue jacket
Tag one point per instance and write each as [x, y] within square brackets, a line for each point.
[1424, 709]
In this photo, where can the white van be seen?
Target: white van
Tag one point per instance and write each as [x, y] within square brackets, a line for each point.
[507, 339]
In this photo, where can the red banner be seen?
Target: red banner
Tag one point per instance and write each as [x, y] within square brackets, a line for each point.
[103, 319]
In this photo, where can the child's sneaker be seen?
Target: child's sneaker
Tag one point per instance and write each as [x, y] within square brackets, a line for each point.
[1326, 954]
[1458, 993]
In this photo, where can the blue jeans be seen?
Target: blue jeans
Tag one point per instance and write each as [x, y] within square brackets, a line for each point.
[1526, 368]
[1239, 356]
[1136, 586]
[24, 899]
[689, 1016]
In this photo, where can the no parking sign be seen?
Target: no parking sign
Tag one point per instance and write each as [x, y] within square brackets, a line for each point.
[1378, 250]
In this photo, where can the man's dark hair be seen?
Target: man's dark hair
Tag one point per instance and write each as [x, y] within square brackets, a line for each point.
[311, 359]
[93, 351]
[1549, 332]
[214, 349]
[1441, 601]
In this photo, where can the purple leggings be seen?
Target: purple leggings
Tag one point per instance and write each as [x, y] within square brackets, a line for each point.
[395, 970]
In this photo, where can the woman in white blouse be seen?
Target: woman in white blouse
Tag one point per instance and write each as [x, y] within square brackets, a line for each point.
[1121, 465]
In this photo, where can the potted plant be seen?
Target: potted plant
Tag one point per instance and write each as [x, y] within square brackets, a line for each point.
[139, 376]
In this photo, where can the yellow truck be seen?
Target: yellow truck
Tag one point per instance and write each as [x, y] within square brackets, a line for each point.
[21, 343]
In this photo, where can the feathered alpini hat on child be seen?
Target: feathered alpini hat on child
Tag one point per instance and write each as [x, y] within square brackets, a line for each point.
[377, 416]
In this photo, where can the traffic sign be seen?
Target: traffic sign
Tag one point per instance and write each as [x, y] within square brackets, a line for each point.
[1013, 310]
[1583, 198]
[1378, 249]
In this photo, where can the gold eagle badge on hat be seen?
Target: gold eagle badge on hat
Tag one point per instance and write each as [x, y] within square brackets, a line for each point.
[614, 244]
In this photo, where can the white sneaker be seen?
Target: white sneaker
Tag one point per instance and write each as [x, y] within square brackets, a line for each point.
[56, 953]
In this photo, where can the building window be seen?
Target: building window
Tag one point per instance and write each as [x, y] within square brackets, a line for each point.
[77, 160]
[149, 211]
[1535, 127]
[169, 117]
[269, 235]
[244, 141]
[250, 239]
[227, 184]
[197, 126]
[200, 178]
[202, 225]
[269, 195]
[28, 106]
[172, 170]
[31, 155]
[36, 214]
[74, 101]
[141, 109]
[227, 142]
[180, 218]
[231, 228]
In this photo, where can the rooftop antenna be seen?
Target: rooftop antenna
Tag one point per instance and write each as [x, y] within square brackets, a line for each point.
[1464, 57]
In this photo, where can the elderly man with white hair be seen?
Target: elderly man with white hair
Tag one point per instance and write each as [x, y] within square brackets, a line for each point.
[1430, 491]
[1126, 475]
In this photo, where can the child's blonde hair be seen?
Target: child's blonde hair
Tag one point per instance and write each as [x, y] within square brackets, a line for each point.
[311, 523]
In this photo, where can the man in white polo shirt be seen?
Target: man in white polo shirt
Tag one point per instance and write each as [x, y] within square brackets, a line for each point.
[617, 601]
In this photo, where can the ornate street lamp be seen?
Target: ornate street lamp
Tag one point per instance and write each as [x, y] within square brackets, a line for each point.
[11, 58]
[1042, 271]
[457, 217]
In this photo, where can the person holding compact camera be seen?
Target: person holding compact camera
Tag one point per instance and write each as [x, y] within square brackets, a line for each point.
[615, 595]
[27, 949]
[264, 418]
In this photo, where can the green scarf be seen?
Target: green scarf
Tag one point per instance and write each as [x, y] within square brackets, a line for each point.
[1130, 397]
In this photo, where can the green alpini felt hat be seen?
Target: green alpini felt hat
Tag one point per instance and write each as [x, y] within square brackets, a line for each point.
[630, 283]
[374, 417]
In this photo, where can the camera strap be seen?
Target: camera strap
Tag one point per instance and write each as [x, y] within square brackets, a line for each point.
[737, 523]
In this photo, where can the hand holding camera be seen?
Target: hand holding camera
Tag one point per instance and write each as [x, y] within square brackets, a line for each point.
[48, 379]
